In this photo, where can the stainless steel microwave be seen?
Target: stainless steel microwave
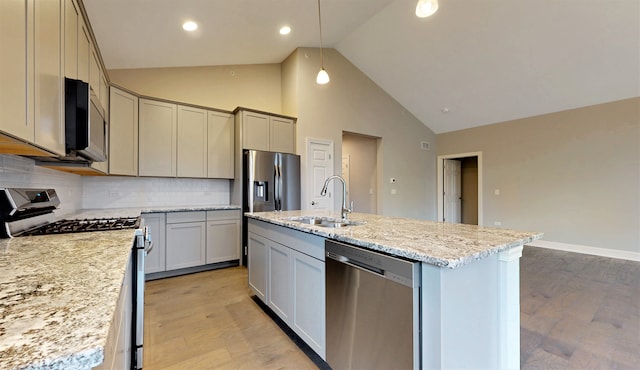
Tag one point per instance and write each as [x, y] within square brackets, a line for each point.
[85, 124]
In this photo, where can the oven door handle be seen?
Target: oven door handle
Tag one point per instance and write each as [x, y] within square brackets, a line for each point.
[148, 242]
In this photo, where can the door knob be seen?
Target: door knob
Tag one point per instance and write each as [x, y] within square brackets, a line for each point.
[313, 202]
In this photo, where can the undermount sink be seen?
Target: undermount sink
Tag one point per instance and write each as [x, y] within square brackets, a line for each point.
[330, 222]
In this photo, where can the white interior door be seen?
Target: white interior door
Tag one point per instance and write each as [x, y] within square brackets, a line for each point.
[452, 191]
[319, 167]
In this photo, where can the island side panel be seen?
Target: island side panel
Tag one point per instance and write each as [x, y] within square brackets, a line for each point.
[509, 307]
[460, 312]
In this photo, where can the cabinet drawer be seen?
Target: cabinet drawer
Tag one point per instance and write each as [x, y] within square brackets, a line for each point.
[258, 227]
[311, 245]
[179, 217]
[226, 214]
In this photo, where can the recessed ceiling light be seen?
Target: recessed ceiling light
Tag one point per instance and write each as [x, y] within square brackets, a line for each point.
[189, 26]
[285, 30]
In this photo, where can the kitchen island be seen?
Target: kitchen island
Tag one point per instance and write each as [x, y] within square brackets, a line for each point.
[470, 314]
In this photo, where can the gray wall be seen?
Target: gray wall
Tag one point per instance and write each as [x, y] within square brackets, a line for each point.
[573, 175]
[352, 102]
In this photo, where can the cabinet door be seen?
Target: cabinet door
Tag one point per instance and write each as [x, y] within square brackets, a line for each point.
[14, 60]
[223, 240]
[94, 71]
[123, 133]
[279, 297]
[192, 142]
[220, 141]
[84, 52]
[257, 261]
[104, 91]
[49, 92]
[157, 140]
[156, 259]
[186, 244]
[308, 319]
[282, 135]
[71, 17]
[255, 131]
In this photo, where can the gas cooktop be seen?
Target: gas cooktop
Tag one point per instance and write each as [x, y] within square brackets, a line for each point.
[25, 212]
[86, 225]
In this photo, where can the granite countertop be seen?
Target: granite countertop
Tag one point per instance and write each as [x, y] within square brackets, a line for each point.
[58, 295]
[437, 243]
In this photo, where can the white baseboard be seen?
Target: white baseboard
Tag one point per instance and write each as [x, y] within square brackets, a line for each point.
[604, 252]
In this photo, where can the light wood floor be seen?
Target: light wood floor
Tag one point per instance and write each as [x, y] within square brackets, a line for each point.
[577, 312]
[208, 321]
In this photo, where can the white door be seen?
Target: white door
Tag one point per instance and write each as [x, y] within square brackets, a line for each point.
[319, 167]
[452, 191]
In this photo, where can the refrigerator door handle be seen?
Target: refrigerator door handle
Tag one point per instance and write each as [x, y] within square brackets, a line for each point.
[277, 195]
[250, 182]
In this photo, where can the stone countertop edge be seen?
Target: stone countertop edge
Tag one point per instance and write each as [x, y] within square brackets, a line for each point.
[435, 243]
[137, 211]
[58, 296]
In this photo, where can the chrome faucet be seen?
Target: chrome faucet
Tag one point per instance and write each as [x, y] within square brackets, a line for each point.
[323, 192]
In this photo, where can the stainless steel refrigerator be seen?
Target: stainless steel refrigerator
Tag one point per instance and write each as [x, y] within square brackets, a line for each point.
[271, 183]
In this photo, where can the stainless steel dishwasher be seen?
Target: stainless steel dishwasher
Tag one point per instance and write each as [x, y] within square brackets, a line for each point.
[372, 308]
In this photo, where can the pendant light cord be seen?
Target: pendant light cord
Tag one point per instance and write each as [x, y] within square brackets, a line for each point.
[320, 24]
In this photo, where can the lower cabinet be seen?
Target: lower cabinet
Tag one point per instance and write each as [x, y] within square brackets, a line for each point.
[286, 271]
[155, 261]
[191, 240]
[257, 264]
[186, 239]
[223, 236]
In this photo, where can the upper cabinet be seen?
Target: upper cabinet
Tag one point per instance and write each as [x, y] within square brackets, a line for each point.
[282, 135]
[157, 140]
[266, 132]
[41, 42]
[192, 142]
[15, 118]
[184, 141]
[220, 133]
[84, 51]
[123, 133]
[31, 70]
[72, 17]
[48, 78]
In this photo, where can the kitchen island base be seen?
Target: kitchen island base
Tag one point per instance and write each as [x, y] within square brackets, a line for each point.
[470, 294]
[471, 314]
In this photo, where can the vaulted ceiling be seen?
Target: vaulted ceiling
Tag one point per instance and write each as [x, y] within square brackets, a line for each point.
[474, 62]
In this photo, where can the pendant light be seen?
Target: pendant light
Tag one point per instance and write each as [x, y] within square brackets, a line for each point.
[323, 76]
[426, 8]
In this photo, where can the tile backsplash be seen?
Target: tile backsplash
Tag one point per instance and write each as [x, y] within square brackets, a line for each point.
[91, 192]
[122, 192]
